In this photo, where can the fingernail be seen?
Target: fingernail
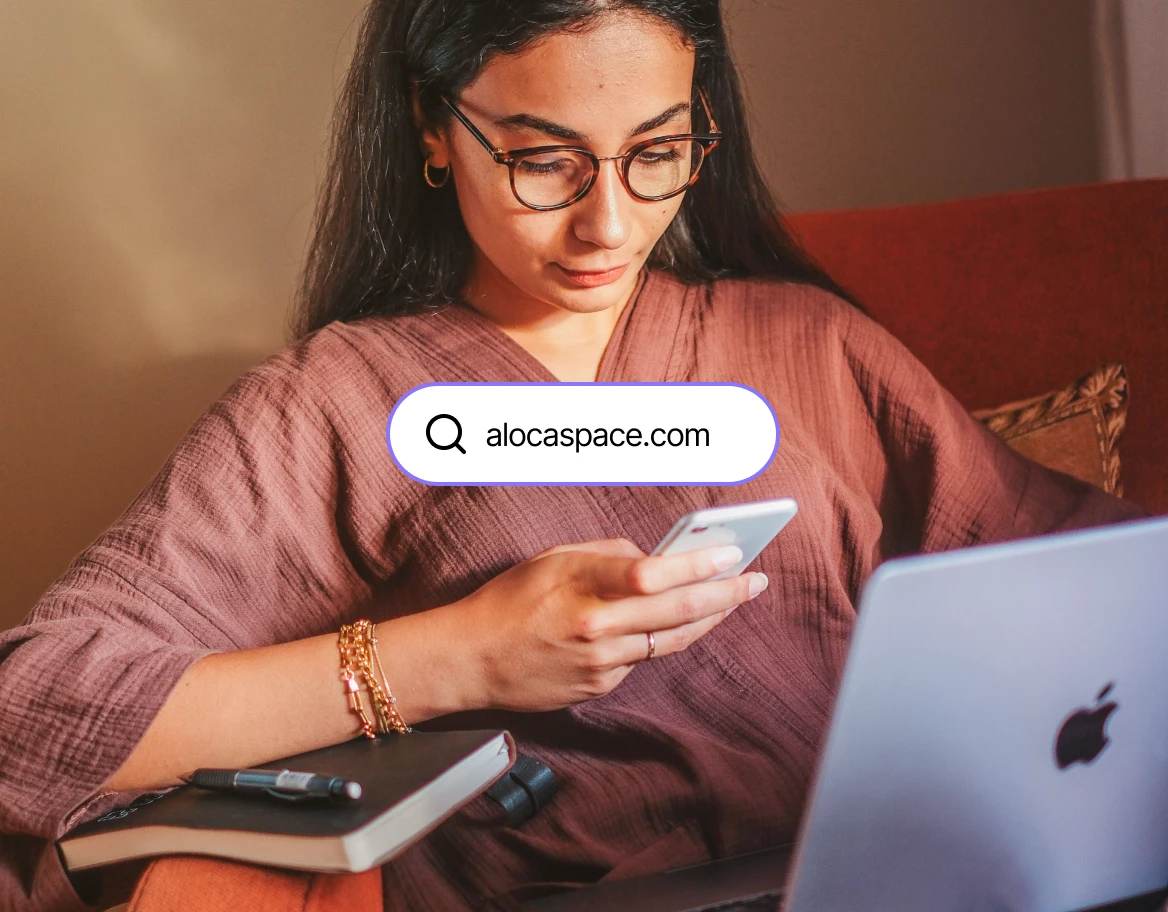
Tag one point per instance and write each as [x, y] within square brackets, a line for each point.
[726, 556]
[758, 582]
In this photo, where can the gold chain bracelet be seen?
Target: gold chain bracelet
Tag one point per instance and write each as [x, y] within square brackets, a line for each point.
[386, 701]
[357, 644]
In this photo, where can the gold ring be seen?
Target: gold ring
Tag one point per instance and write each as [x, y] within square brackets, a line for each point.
[652, 645]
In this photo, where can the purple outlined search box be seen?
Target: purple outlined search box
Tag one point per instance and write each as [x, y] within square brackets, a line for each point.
[582, 433]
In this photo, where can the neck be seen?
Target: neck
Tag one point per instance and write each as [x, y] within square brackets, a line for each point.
[569, 344]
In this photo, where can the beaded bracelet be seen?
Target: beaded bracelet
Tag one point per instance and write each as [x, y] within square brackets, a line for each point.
[357, 644]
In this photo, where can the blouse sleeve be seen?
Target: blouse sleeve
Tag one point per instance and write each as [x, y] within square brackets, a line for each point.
[234, 544]
[950, 481]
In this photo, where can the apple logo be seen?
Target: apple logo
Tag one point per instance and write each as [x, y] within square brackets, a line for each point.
[1082, 738]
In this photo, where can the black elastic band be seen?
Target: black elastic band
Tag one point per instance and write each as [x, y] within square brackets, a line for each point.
[527, 787]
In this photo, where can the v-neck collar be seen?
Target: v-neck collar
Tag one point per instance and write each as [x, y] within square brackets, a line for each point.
[657, 342]
[648, 343]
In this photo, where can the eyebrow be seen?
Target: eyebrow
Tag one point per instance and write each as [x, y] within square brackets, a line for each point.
[554, 129]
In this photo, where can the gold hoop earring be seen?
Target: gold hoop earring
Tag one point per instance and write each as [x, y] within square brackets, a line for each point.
[426, 174]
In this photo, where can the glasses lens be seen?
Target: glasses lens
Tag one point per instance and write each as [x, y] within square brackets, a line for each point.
[665, 167]
[551, 178]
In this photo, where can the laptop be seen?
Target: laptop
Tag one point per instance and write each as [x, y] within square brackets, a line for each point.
[999, 742]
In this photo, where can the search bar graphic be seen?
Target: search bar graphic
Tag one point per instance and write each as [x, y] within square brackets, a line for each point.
[582, 433]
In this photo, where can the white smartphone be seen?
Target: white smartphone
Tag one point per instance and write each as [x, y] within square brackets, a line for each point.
[750, 526]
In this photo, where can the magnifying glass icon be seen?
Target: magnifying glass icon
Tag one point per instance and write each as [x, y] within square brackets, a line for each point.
[456, 444]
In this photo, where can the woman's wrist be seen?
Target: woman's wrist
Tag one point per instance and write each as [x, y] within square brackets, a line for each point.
[431, 663]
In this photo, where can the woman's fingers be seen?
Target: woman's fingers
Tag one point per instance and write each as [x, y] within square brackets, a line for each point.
[681, 606]
[617, 576]
[619, 547]
[633, 648]
[603, 622]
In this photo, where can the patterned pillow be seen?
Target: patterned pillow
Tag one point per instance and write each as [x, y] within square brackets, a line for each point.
[1073, 430]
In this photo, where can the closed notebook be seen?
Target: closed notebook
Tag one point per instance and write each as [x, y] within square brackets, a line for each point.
[410, 783]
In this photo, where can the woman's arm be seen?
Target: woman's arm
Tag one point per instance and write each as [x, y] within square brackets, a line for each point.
[563, 627]
[242, 709]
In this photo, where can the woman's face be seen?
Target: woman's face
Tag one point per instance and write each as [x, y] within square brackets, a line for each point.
[603, 84]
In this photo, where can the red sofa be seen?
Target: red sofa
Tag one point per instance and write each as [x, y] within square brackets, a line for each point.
[1012, 296]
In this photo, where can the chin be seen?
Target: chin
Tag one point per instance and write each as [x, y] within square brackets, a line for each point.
[592, 300]
[587, 300]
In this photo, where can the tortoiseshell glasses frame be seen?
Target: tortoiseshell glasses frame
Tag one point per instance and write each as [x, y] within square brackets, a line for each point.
[705, 142]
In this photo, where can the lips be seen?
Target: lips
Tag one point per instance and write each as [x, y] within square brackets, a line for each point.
[593, 277]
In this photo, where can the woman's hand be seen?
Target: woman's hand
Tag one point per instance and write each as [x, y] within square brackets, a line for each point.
[568, 624]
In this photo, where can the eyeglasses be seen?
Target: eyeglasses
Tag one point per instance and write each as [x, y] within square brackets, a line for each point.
[552, 177]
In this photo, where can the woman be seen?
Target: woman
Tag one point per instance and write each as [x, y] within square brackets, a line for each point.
[201, 628]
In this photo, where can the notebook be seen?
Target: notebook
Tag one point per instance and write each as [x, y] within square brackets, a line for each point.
[410, 784]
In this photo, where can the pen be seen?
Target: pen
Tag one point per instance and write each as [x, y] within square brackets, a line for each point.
[279, 783]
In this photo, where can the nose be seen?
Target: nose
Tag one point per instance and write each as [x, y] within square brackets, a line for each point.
[604, 216]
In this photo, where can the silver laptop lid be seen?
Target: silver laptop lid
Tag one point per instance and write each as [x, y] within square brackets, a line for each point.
[1000, 739]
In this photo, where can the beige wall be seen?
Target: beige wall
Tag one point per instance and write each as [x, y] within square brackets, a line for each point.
[876, 102]
[157, 172]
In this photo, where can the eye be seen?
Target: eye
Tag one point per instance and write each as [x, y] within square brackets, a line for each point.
[547, 163]
[542, 167]
[653, 158]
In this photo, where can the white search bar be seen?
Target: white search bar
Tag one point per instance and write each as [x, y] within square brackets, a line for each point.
[582, 433]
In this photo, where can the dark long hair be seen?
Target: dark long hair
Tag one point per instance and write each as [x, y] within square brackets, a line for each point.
[385, 243]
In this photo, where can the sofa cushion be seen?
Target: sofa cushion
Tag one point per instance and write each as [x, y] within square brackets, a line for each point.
[193, 883]
[1074, 430]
